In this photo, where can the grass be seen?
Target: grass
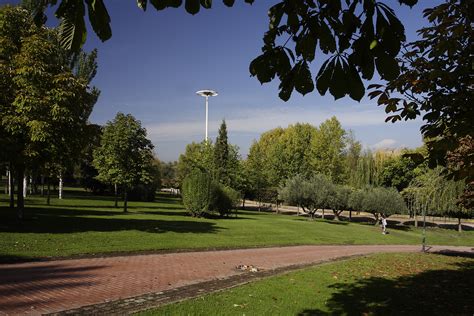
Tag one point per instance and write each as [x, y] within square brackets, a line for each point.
[83, 224]
[385, 284]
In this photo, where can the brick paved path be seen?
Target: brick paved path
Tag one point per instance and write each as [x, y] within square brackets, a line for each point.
[53, 286]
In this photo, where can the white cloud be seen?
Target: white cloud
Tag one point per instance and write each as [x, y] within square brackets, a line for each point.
[262, 119]
[385, 143]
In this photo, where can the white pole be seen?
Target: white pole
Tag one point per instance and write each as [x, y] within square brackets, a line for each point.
[25, 186]
[60, 186]
[207, 101]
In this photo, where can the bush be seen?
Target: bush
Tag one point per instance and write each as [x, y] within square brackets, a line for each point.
[223, 199]
[196, 192]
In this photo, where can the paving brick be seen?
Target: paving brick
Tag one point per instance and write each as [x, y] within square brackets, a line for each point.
[101, 283]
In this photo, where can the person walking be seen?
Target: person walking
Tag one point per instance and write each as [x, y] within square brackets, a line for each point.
[384, 225]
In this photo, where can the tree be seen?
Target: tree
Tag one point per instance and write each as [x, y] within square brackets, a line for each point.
[296, 150]
[431, 193]
[169, 174]
[345, 30]
[385, 201]
[125, 155]
[338, 199]
[309, 194]
[436, 80]
[328, 150]
[221, 155]
[197, 156]
[398, 172]
[44, 106]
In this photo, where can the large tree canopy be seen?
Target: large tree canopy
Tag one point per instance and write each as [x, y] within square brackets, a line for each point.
[360, 37]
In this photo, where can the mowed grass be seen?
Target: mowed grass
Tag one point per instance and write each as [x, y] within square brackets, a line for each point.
[83, 224]
[385, 284]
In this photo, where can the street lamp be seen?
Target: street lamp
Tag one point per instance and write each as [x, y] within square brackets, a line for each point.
[207, 94]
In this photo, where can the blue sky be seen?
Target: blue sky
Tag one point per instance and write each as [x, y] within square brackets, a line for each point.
[156, 61]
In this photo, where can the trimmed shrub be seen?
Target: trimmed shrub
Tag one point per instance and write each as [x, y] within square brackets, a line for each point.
[196, 192]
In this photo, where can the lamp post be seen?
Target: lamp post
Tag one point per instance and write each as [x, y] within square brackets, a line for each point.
[207, 94]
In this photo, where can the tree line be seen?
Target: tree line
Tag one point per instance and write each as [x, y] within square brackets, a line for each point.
[45, 103]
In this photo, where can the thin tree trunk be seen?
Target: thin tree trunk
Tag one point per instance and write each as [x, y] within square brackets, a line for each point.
[60, 195]
[20, 201]
[8, 182]
[376, 215]
[116, 195]
[42, 185]
[459, 225]
[350, 215]
[416, 218]
[25, 185]
[48, 193]
[125, 200]
[11, 187]
[322, 216]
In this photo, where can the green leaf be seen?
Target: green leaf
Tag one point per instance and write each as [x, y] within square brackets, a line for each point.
[260, 67]
[323, 76]
[142, 4]
[326, 39]
[306, 46]
[373, 44]
[160, 4]
[355, 84]
[337, 84]
[286, 86]
[99, 19]
[303, 81]
[387, 67]
[206, 4]
[229, 3]
[275, 14]
[192, 6]
[293, 21]
[72, 28]
[410, 3]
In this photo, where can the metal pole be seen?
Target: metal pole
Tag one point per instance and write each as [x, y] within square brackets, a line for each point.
[207, 100]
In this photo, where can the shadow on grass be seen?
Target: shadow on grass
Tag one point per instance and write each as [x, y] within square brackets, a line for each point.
[60, 221]
[436, 292]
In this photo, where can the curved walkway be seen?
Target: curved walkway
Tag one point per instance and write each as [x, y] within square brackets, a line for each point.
[55, 286]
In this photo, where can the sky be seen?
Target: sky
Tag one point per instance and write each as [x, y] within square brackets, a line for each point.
[156, 61]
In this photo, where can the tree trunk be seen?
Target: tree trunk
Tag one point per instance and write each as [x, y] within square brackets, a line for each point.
[243, 203]
[350, 215]
[116, 195]
[11, 187]
[8, 182]
[125, 200]
[322, 216]
[42, 185]
[459, 225]
[376, 215]
[20, 201]
[336, 215]
[48, 193]
[60, 195]
[25, 185]
[416, 219]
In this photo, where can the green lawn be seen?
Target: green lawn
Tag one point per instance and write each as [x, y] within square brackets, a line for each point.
[385, 284]
[83, 224]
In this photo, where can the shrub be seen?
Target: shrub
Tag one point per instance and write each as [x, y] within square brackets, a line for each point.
[223, 199]
[196, 192]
